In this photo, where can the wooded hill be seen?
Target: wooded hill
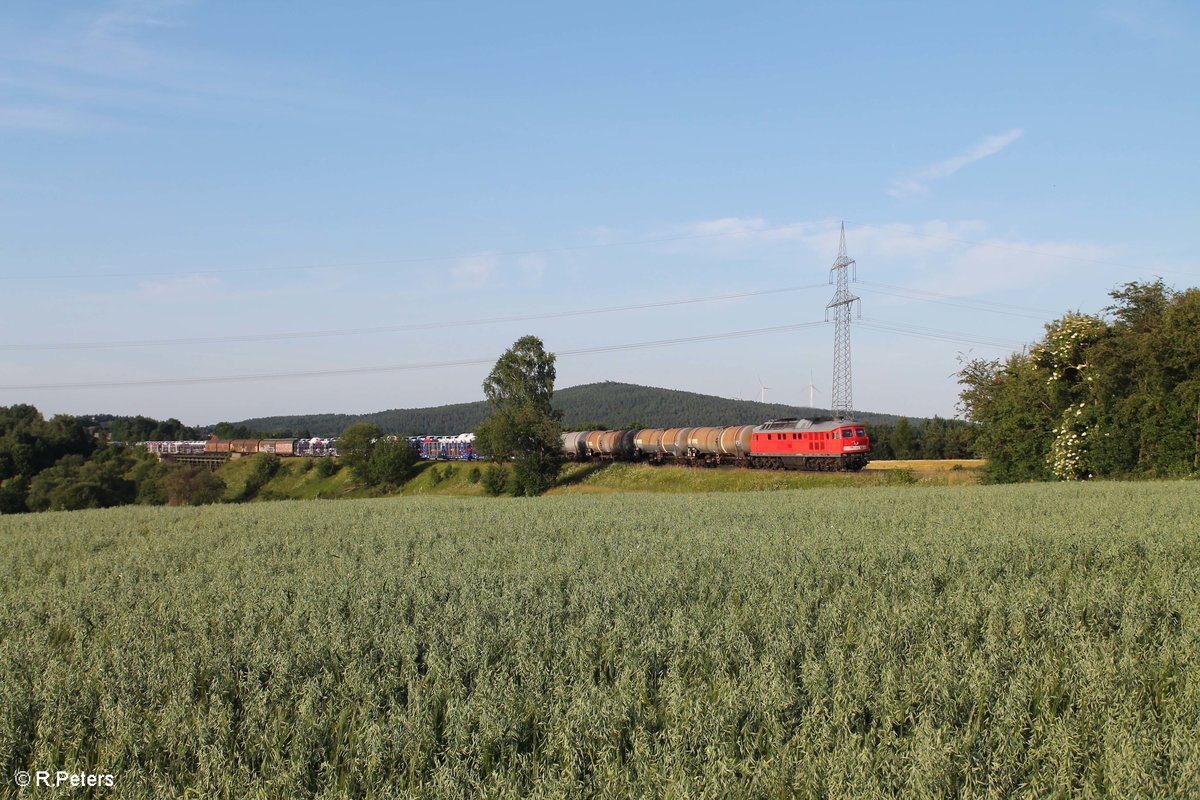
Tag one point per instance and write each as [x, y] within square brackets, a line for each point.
[609, 404]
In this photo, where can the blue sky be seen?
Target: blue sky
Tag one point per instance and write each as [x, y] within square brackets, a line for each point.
[182, 171]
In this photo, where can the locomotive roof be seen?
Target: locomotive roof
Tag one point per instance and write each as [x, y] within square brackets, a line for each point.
[815, 424]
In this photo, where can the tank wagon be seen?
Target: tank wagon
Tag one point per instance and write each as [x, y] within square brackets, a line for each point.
[807, 444]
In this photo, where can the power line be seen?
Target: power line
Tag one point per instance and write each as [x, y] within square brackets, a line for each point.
[927, 296]
[918, 331]
[416, 326]
[398, 262]
[955, 336]
[900, 291]
[321, 373]
[879, 325]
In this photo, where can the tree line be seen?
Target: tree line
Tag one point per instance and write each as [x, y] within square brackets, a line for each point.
[927, 438]
[68, 463]
[1100, 396]
[74, 462]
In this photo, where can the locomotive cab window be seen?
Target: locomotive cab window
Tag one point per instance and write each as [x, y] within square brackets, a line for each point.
[860, 432]
[835, 434]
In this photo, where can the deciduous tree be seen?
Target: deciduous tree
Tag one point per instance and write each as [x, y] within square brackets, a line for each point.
[523, 425]
[354, 447]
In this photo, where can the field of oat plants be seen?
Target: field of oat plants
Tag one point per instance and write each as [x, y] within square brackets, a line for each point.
[1035, 641]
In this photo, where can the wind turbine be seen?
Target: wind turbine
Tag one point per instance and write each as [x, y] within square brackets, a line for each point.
[762, 390]
[811, 388]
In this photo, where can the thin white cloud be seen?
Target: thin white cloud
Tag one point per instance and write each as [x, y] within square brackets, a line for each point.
[102, 68]
[960, 258]
[733, 227]
[1145, 19]
[124, 16]
[474, 272]
[48, 119]
[963, 258]
[919, 183]
[734, 236]
[968, 269]
[115, 42]
[189, 286]
[82, 72]
[533, 267]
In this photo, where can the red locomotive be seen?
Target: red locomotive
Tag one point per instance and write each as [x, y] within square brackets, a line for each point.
[832, 444]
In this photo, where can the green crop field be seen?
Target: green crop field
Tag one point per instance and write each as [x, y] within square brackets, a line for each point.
[1018, 641]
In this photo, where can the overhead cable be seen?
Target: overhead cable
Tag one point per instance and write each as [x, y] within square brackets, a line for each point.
[397, 262]
[322, 373]
[929, 296]
[416, 326]
[939, 335]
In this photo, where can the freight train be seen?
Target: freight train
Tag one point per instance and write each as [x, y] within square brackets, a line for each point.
[810, 444]
[824, 444]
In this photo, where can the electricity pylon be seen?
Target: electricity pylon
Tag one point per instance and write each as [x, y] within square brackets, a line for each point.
[841, 273]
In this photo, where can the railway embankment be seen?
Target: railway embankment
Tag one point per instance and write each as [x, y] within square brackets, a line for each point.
[299, 479]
